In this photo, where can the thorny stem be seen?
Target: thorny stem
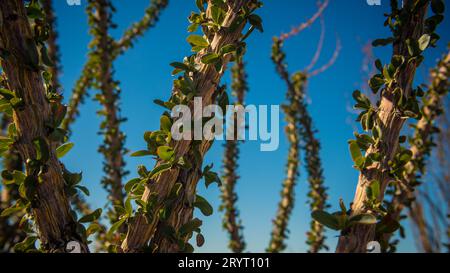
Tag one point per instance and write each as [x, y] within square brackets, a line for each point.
[113, 146]
[50, 206]
[231, 221]
[206, 80]
[358, 236]
[421, 145]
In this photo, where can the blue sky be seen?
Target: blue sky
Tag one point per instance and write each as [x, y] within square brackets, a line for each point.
[145, 75]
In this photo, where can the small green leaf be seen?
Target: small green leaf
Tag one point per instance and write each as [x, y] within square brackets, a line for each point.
[197, 40]
[200, 240]
[83, 189]
[116, 226]
[210, 58]
[326, 219]
[9, 211]
[190, 227]
[166, 124]
[203, 205]
[130, 184]
[356, 154]
[141, 153]
[364, 219]
[256, 21]
[62, 150]
[424, 42]
[382, 42]
[165, 152]
[91, 217]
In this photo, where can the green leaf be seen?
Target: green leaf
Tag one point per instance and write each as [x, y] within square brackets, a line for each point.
[91, 217]
[165, 152]
[217, 14]
[375, 189]
[211, 177]
[9, 211]
[7, 94]
[27, 244]
[130, 184]
[379, 65]
[356, 154]
[200, 240]
[203, 205]
[116, 226]
[83, 189]
[190, 227]
[413, 47]
[141, 153]
[197, 40]
[376, 82]
[72, 178]
[256, 21]
[62, 150]
[210, 58]
[42, 150]
[382, 42]
[166, 124]
[128, 207]
[364, 219]
[326, 219]
[424, 42]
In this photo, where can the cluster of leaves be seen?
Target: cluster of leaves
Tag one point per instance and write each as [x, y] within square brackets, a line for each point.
[231, 221]
[422, 141]
[373, 142]
[208, 60]
[37, 60]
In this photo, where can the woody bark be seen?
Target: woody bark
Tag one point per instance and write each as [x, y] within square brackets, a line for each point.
[51, 207]
[358, 236]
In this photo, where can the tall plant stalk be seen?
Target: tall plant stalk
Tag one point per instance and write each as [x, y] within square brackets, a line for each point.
[301, 135]
[167, 203]
[384, 159]
[113, 146]
[37, 114]
[231, 220]
[422, 143]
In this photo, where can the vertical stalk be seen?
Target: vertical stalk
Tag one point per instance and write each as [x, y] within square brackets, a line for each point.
[113, 146]
[286, 204]
[49, 202]
[161, 181]
[231, 221]
[389, 121]
[421, 145]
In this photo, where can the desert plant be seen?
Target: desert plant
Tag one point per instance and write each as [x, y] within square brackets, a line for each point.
[385, 159]
[300, 127]
[231, 221]
[37, 113]
[422, 143]
[119, 47]
[166, 195]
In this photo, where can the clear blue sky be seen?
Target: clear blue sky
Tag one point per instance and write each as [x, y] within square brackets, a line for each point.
[144, 73]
